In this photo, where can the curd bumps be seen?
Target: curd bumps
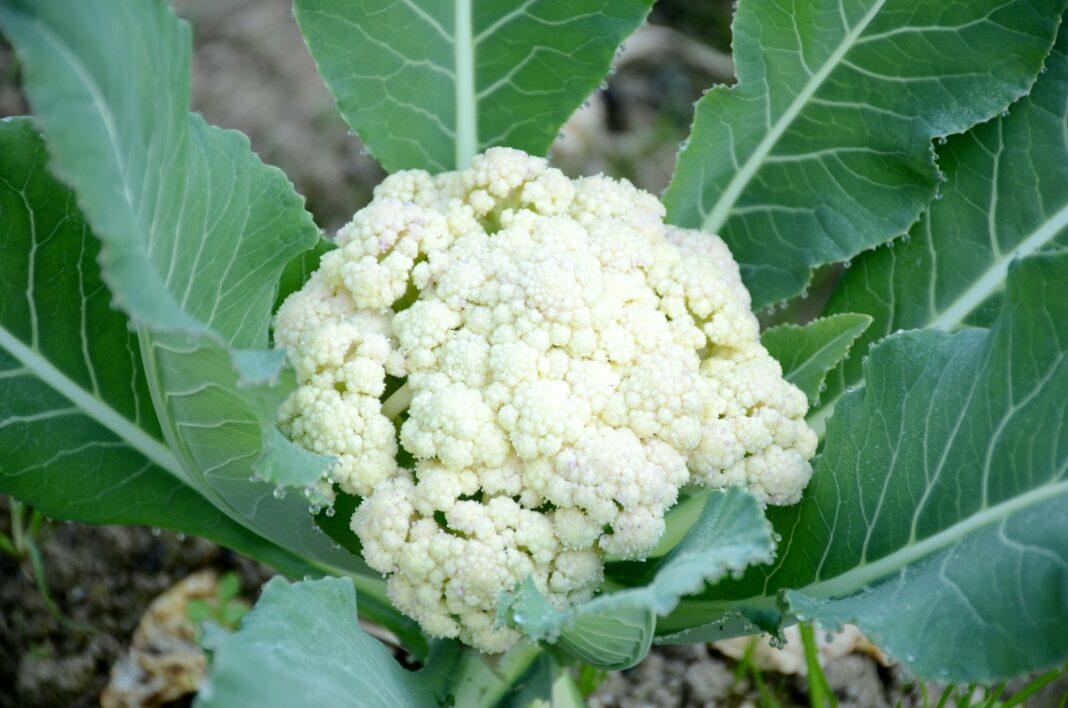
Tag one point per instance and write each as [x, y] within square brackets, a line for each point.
[557, 361]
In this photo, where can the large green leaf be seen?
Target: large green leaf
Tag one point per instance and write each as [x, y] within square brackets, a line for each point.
[936, 517]
[430, 83]
[823, 148]
[1006, 195]
[196, 232]
[614, 630]
[79, 434]
[302, 646]
[808, 353]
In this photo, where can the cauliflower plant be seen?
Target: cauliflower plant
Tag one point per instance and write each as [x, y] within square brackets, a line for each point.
[517, 372]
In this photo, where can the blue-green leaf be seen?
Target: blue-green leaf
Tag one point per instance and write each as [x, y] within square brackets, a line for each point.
[1005, 196]
[615, 630]
[935, 520]
[195, 234]
[302, 645]
[79, 433]
[823, 147]
[808, 353]
[430, 83]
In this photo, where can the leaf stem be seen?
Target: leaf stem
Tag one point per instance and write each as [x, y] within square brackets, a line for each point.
[397, 403]
[483, 681]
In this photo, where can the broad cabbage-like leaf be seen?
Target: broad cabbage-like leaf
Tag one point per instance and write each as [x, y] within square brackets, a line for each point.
[823, 148]
[935, 519]
[1006, 196]
[301, 645]
[615, 630]
[431, 83]
[195, 233]
[79, 433]
[808, 353]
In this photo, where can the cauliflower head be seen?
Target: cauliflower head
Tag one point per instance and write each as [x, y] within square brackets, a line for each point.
[517, 372]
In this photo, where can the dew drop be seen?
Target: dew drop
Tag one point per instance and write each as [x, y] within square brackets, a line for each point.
[156, 531]
[330, 511]
[279, 492]
[308, 577]
[181, 536]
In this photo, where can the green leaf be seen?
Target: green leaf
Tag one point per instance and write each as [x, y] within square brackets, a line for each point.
[823, 148]
[80, 435]
[1006, 195]
[430, 83]
[808, 353]
[196, 232]
[298, 270]
[301, 645]
[511, 680]
[614, 631]
[935, 519]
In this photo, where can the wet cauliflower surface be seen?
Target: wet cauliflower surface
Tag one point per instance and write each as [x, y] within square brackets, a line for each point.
[569, 362]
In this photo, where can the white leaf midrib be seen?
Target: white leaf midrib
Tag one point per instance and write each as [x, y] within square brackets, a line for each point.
[991, 280]
[994, 276]
[466, 105]
[715, 218]
[866, 574]
[92, 406]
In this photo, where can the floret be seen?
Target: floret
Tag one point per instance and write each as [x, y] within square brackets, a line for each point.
[570, 363]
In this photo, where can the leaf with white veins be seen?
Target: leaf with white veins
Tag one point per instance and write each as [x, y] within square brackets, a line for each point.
[431, 83]
[195, 233]
[1006, 196]
[80, 437]
[823, 148]
[935, 519]
[808, 353]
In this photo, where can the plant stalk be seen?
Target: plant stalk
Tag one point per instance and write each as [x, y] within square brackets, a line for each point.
[397, 403]
[483, 681]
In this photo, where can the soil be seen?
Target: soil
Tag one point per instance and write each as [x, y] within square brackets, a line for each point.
[103, 579]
